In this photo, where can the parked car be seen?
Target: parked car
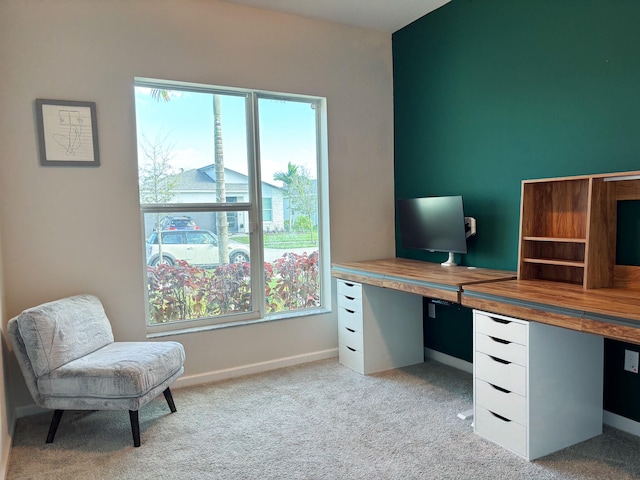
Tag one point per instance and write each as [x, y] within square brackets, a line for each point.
[197, 247]
[178, 223]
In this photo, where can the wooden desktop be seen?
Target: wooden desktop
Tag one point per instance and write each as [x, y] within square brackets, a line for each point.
[414, 276]
[612, 312]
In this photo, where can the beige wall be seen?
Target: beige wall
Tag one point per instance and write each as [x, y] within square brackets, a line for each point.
[73, 230]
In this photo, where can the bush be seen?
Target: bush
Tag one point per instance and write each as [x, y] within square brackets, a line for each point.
[302, 224]
[185, 292]
[295, 283]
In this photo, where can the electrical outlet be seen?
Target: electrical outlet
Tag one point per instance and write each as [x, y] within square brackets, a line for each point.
[631, 361]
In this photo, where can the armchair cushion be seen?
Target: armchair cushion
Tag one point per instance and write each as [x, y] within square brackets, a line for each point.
[57, 332]
[116, 371]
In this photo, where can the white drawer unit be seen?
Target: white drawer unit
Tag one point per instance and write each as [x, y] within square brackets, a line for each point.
[501, 430]
[350, 319]
[499, 348]
[537, 388]
[350, 337]
[352, 304]
[501, 401]
[349, 289]
[351, 357]
[378, 328]
[507, 375]
[503, 328]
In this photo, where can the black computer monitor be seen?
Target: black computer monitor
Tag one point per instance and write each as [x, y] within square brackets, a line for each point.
[436, 224]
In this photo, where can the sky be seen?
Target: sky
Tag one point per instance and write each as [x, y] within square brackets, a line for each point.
[185, 122]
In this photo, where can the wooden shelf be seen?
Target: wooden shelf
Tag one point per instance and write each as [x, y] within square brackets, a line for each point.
[553, 261]
[567, 230]
[555, 239]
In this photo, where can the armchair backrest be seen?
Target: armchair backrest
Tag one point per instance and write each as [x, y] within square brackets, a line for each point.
[57, 332]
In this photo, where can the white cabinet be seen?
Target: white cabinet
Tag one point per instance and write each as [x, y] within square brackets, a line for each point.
[378, 328]
[537, 388]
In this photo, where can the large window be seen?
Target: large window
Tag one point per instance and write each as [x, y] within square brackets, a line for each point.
[233, 203]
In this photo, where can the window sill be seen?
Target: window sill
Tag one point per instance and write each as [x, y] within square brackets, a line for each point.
[240, 323]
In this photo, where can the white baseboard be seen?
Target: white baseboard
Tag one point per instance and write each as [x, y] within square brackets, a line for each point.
[449, 360]
[621, 423]
[217, 375]
[185, 381]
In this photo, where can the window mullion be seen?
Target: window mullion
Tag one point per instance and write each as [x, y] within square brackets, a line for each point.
[257, 246]
[196, 207]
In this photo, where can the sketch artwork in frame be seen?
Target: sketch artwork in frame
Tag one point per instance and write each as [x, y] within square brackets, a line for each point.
[68, 133]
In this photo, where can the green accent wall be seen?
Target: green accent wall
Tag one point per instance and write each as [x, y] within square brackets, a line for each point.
[450, 319]
[628, 233]
[488, 93]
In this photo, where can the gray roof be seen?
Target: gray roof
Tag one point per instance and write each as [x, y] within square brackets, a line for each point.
[197, 180]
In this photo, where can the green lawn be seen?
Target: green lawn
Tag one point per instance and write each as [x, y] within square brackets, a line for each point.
[282, 240]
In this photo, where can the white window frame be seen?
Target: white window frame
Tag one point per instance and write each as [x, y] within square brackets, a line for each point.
[254, 212]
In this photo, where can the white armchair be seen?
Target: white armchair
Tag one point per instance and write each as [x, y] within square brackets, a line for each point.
[70, 361]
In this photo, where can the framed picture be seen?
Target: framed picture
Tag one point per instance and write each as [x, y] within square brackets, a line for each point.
[67, 133]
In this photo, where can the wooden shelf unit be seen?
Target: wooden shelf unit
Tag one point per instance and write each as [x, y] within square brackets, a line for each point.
[568, 227]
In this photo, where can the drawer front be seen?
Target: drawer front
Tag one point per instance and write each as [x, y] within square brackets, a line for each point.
[350, 338]
[510, 330]
[350, 303]
[350, 319]
[509, 434]
[351, 358]
[503, 349]
[509, 376]
[507, 404]
[349, 289]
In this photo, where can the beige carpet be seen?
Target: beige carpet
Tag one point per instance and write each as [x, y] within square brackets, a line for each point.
[315, 421]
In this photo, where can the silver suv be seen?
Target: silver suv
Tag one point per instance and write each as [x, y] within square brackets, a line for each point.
[197, 247]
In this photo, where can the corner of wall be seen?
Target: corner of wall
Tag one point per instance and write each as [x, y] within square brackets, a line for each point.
[7, 416]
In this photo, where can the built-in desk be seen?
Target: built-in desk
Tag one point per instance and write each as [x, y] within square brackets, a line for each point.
[537, 375]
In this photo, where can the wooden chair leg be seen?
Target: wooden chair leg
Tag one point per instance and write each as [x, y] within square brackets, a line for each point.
[53, 427]
[135, 427]
[169, 398]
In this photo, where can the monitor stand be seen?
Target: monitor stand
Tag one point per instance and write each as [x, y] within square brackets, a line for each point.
[451, 261]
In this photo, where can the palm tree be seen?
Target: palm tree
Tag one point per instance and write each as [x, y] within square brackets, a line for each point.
[222, 224]
[160, 94]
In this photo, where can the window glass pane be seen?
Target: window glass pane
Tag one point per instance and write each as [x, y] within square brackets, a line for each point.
[177, 146]
[267, 212]
[289, 166]
[189, 278]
